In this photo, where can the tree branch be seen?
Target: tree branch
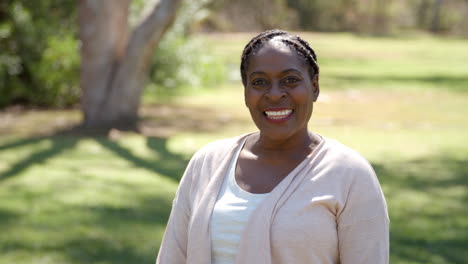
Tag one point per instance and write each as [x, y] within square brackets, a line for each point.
[151, 29]
[133, 68]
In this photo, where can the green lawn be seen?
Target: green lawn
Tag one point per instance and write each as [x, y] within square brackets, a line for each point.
[402, 103]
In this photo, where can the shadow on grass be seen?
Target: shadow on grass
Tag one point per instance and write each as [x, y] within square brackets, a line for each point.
[168, 164]
[83, 250]
[89, 250]
[427, 205]
[165, 163]
[103, 239]
[7, 217]
[58, 145]
[120, 243]
[157, 122]
[113, 234]
[419, 233]
[110, 227]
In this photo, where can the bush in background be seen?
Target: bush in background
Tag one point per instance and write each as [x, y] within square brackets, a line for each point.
[39, 57]
[39, 54]
[181, 62]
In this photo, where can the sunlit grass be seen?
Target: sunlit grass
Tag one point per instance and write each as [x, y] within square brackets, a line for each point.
[80, 199]
[95, 200]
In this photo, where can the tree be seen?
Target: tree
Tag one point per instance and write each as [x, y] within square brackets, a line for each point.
[115, 61]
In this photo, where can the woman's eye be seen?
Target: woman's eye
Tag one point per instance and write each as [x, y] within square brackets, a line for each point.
[291, 80]
[258, 82]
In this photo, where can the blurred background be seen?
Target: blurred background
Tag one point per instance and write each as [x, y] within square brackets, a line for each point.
[102, 104]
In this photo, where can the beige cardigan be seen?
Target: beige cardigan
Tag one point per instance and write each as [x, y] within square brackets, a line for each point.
[329, 209]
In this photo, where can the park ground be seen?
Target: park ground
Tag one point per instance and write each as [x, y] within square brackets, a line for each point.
[401, 102]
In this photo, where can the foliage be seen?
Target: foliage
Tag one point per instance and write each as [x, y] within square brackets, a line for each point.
[379, 17]
[181, 62]
[256, 15]
[382, 16]
[57, 72]
[38, 53]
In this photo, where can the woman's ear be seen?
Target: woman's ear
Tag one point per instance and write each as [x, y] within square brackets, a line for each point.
[315, 86]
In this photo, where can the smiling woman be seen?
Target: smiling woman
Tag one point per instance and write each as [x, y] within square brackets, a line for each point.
[279, 91]
[283, 194]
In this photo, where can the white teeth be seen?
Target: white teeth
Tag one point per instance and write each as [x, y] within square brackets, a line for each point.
[278, 114]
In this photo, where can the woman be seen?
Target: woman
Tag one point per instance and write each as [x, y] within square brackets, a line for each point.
[283, 194]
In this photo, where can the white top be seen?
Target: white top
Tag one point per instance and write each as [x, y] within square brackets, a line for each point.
[230, 215]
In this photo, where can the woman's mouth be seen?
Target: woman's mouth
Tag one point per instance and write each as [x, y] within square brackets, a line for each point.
[278, 115]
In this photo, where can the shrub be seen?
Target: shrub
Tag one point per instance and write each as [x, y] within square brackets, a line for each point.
[38, 53]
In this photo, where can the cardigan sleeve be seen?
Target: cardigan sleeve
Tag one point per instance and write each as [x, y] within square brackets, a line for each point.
[173, 248]
[363, 224]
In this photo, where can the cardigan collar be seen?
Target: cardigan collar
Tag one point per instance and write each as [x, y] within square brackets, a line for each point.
[255, 239]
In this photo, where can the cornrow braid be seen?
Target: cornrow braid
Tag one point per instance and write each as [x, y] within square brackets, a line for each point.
[296, 43]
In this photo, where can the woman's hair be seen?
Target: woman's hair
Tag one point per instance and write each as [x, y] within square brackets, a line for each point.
[294, 42]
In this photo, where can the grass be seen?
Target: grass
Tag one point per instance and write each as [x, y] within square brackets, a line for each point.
[402, 103]
[349, 61]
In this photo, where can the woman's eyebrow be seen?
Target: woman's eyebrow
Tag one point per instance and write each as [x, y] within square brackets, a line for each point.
[282, 72]
[291, 70]
[257, 72]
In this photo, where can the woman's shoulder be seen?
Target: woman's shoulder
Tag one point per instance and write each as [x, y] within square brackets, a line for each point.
[340, 156]
[347, 168]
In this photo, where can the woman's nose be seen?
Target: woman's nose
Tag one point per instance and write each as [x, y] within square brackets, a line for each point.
[276, 92]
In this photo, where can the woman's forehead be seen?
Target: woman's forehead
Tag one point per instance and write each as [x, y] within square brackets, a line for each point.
[275, 56]
[274, 44]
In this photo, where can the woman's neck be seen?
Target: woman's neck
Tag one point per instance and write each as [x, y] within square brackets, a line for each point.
[297, 144]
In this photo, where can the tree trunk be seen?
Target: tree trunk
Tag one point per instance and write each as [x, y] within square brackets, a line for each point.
[381, 17]
[114, 62]
[435, 25]
[422, 14]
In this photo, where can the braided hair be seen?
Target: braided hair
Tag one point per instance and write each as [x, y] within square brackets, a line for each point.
[294, 42]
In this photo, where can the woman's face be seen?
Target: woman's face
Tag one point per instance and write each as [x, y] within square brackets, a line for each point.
[279, 91]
